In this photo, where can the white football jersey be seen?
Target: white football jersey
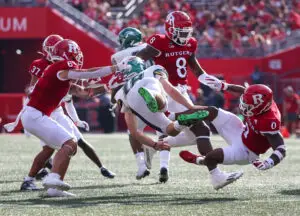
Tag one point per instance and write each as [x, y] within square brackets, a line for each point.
[149, 79]
[130, 51]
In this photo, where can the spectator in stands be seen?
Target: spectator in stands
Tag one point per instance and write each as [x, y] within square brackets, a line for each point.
[291, 109]
[257, 76]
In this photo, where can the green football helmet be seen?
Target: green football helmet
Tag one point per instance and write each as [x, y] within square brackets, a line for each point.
[132, 66]
[129, 37]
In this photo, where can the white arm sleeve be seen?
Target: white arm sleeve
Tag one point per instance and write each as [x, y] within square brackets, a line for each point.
[101, 72]
[71, 111]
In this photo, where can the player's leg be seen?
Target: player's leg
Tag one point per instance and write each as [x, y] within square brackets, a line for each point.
[90, 152]
[230, 128]
[87, 148]
[138, 151]
[37, 167]
[56, 137]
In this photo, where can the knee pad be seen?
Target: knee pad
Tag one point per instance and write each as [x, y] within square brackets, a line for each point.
[70, 148]
[185, 138]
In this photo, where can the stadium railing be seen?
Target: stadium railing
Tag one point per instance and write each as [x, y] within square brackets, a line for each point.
[90, 25]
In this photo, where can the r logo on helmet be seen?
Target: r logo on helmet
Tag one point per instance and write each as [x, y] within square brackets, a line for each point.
[257, 99]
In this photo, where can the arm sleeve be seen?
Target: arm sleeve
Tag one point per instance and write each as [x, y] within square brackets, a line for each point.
[101, 72]
[71, 111]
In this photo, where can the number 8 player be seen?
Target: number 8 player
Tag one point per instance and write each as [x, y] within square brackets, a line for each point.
[175, 51]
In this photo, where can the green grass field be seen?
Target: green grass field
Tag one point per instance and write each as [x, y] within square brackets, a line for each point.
[188, 191]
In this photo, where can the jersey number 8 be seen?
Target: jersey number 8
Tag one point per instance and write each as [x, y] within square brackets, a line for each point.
[181, 67]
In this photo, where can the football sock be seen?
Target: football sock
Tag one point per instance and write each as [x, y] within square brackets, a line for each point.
[164, 158]
[140, 159]
[215, 171]
[28, 178]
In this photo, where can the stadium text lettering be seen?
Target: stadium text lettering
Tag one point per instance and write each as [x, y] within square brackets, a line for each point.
[181, 53]
[14, 24]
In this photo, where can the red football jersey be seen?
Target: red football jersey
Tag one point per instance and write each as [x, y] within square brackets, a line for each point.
[256, 126]
[173, 57]
[49, 90]
[38, 66]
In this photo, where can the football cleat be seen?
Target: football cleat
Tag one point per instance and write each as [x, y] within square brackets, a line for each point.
[41, 174]
[222, 179]
[51, 181]
[29, 186]
[163, 175]
[191, 158]
[142, 173]
[149, 153]
[106, 173]
[53, 192]
[193, 118]
[149, 99]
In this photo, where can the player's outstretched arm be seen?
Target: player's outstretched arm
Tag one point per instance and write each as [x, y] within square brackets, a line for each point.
[235, 88]
[131, 122]
[74, 116]
[278, 154]
[148, 53]
[175, 94]
[86, 73]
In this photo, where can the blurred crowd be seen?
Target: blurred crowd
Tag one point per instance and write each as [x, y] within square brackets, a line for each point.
[234, 24]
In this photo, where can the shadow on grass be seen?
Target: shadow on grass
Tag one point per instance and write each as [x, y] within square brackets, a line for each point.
[290, 192]
[120, 199]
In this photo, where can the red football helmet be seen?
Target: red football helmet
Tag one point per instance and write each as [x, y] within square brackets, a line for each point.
[49, 44]
[68, 50]
[178, 26]
[256, 100]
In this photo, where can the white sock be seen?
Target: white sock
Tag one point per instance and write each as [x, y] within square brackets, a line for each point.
[164, 158]
[140, 159]
[28, 178]
[178, 127]
[54, 175]
[215, 171]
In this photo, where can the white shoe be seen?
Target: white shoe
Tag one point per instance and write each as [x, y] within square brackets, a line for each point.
[52, 181]
[149, 153]
[222, 179]
[53, 192]
[142, 172]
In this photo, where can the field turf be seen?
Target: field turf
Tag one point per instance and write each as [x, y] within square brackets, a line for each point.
[188, 191]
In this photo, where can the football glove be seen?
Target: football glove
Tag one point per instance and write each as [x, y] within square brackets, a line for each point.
[83, 124]
[212, 82]
[263, 165]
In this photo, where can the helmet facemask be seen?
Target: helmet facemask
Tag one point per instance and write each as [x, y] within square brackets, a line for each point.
[181, 36]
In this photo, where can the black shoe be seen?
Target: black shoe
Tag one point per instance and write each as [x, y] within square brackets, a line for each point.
[106, 173]
[29, 186]
[163, 175]
[143, 175]
[41, 174]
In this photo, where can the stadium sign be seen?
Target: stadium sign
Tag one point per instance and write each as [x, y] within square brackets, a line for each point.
[22, 22]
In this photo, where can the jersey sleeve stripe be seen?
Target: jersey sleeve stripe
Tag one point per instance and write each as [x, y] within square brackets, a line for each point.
[270, 132]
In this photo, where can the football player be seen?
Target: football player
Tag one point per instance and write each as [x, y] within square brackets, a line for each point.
[142, 93]
[45, 98]
[131, 43]
[248, 140]
[175, 51]
[36, 71]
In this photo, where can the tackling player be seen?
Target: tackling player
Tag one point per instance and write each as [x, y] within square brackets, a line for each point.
[175, 51]
[247, 141]
[46, 96]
